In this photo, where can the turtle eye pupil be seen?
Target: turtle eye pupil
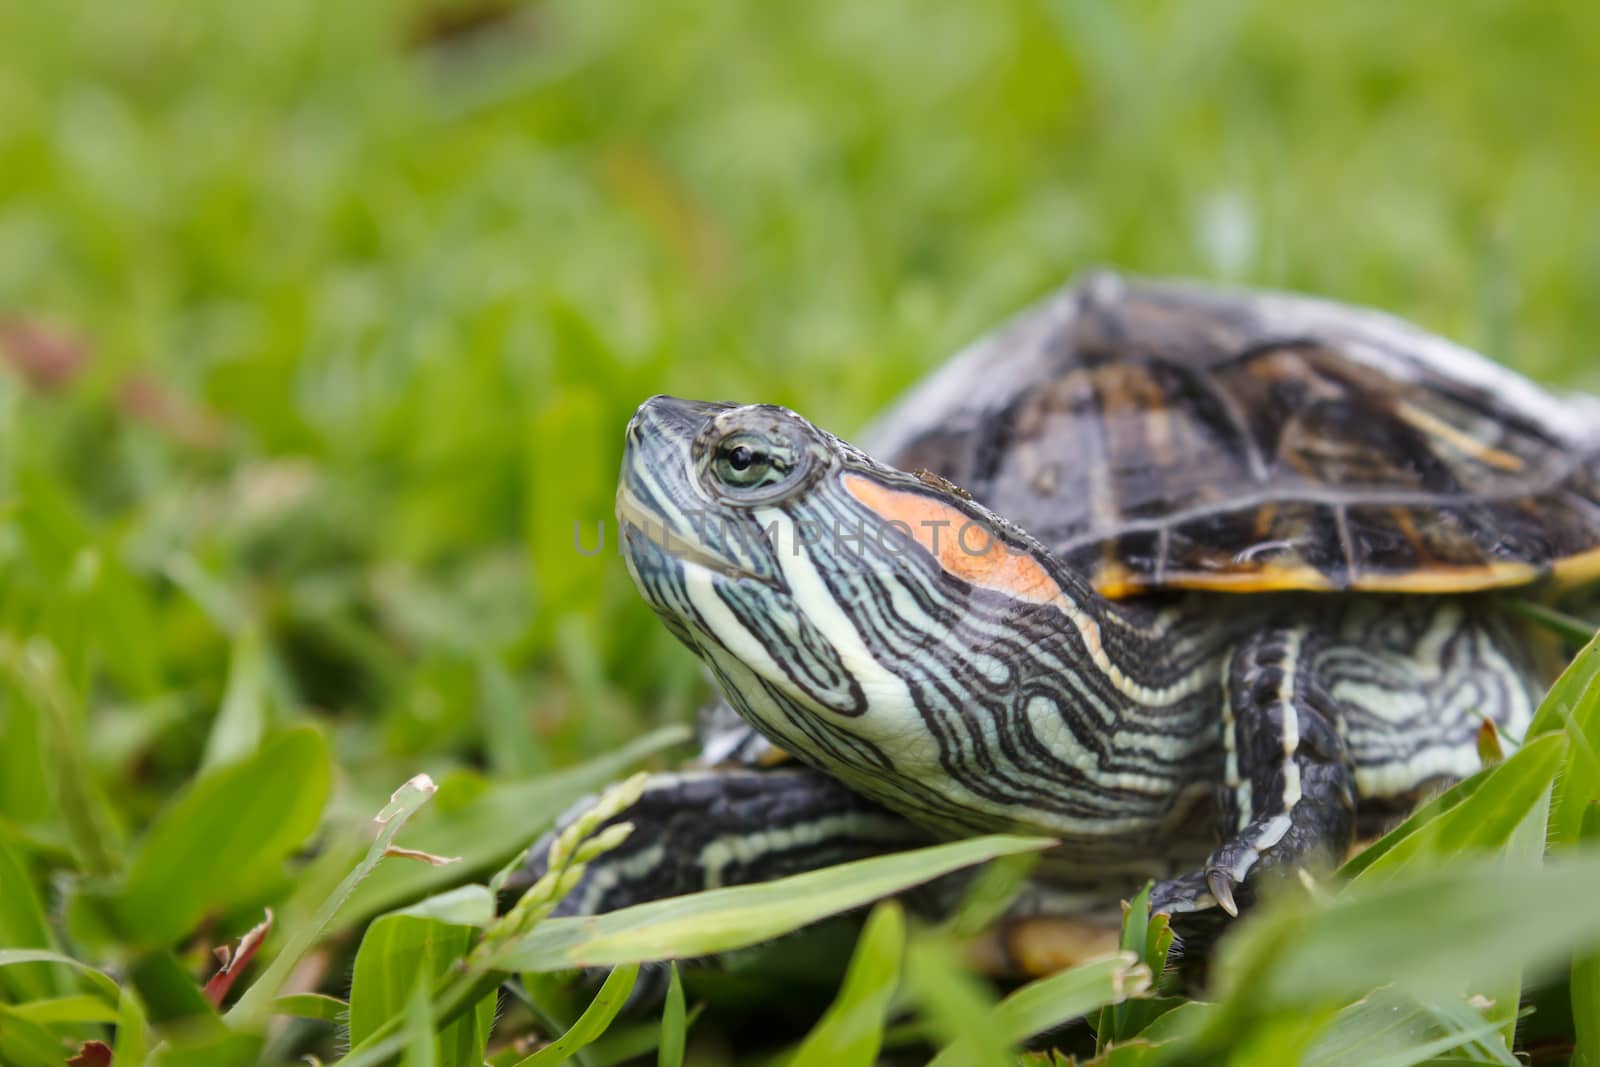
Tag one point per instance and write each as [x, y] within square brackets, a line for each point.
[747, 462]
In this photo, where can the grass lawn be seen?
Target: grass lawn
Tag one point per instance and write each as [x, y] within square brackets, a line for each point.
[319, 325]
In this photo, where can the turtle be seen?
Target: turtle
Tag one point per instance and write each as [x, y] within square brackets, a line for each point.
[1201, 583]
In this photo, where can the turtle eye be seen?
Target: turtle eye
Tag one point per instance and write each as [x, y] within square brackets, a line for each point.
[756, 455]
[748, 461]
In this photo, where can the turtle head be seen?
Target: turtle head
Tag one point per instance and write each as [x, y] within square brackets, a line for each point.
[818, 584]
[697, 479]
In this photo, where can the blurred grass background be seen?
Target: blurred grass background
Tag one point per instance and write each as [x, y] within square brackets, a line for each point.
[319, 323]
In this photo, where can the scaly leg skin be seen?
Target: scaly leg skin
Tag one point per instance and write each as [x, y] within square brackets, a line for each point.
[1287, 798]
[697, 830]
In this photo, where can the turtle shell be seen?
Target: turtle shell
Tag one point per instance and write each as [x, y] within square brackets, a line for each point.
[1165, 435]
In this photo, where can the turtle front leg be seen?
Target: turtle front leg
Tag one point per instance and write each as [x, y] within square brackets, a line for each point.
[1287, 795]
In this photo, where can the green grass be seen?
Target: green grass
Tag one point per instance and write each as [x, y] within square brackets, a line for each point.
[319, 324]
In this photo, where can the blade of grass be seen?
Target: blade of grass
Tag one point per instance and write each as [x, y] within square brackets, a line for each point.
[422, 1049]
[318, 1006]
[1503, 979]
[955, 1005]
[1569, 627]
[1395, 1030]
[674, 1024]
[850, 1033]
[1047, 1003]
[76, 1008]
[242, 721]
[133, 1029]
[396, 953]
[1585, 980]
[1447, 801]
[990, 893]
[169, 992]
[1149, 938]
[465, 905]
[24, 1043]
[257, 1000]
[38, 672]
[1574, 706]
[592, 1023]
[1568, 689]
[1297, 954]
[721, 920]
[1485, 818]
[234, 825]
[11, 957]
[23, 924]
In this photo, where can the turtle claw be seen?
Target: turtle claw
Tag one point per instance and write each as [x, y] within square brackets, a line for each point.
[1220, 882]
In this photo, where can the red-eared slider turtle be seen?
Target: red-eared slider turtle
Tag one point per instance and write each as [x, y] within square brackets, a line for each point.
[1197, 582]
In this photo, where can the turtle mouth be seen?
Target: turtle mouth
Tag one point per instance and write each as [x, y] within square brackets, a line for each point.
[643, 525]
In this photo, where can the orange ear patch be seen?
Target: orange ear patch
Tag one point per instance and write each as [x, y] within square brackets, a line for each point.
[962, 545]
